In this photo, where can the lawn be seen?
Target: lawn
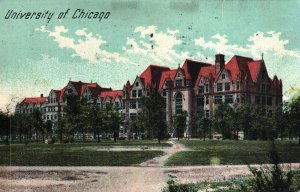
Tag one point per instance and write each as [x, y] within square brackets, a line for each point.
[78, 154]
[232, 152]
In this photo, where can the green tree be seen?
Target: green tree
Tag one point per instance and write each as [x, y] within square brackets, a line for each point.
[223, 120]
[48, 127]
[295, 115]
[204, 125]
[180, 123]
[37, 122]
[153, 114]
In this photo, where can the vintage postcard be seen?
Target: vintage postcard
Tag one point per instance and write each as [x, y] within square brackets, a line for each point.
[133, 95]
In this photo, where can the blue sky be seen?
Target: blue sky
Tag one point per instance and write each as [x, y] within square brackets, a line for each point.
[37, 56]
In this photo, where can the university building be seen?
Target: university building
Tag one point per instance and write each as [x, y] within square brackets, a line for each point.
[194, 87]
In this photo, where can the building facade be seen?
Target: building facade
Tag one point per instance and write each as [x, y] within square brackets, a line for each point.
[195, 87]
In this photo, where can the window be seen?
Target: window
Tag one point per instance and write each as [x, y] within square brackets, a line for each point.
[206, 100]
[269, 100]
[219, 87]
[223, 76]
[137, 84]
[140, 104]
[237, 85]
[207, 113]
[257, 100]
[178, 103]
[227, 86]
[47, 116]
[133, 94]
[218, 99]
[132, 116]
[238, 99]
[258, 88]
[201, 89]
[268, 88]
[140, 93]
[263, 88]
[148, 91]
[200, 100]
[164, 92]
[178, 83]
[228, 98]
[51, 117]
[55, 117]
[117, 104]
[206, 88]
[263, 100]
[132, 105]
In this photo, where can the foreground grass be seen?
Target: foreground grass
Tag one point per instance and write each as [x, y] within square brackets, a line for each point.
[234, 184]
[232, 152]
[70, 155]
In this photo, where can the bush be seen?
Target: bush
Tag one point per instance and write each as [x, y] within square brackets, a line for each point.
[271, 179]
[176, 187]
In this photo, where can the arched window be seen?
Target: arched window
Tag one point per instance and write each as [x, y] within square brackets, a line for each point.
[178, 103]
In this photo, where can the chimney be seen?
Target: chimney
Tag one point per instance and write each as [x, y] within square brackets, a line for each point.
[42, 95]
[220, 62]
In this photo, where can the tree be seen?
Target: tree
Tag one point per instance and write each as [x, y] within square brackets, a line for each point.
[204, 125]
[180, 123]
[153, 114]
[223, 120]
[48, 127]
[113, 121]
[37, 122]
[295, 115]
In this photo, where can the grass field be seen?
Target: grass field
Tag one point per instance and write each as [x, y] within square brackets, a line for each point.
[78, 154]
[232, 152]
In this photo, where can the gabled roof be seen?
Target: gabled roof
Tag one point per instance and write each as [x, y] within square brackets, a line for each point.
[238, 66]
[254, 67]
[78, 85]
[112, 94]
[152, 75]
[166, 75]
[206, 72]
[191, 69]
[60, 93]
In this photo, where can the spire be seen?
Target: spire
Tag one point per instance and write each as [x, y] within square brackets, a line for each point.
[262, 56]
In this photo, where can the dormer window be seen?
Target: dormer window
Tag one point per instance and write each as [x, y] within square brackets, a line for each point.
[140, 93]
[137, 84]
[133, 94]
[201, 89]
[178, 82]
[223, 76]
[227, 86]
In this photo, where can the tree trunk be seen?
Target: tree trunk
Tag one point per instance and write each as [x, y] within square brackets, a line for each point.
[115, 136]
[98, 135]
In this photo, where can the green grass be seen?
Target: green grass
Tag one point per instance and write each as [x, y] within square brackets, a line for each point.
[232, 152]
[70, 155]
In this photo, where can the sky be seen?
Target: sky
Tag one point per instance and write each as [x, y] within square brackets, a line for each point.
[37, 55]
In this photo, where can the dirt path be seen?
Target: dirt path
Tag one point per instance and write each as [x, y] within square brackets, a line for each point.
[168, 151]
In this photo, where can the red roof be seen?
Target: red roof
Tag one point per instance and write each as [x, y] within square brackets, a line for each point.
[166, 74]
[60, 94]
[112, 94]
[238, 66]
[254, 69]
[191, 69]
[33, 100]
[152, 75]
[205, 72]
[78, 85]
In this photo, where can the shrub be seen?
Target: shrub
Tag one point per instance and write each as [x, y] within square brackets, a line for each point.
[176, 187]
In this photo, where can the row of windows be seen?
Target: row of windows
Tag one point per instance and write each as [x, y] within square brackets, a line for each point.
[52, 100]
[220, 87]
[137, 93]
[263, 100]
[135, 105]
[264, 88]
[48, 117]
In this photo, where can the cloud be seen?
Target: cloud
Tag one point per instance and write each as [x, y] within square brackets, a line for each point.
[87, 47]
[156, 46]
[220, 46]
[259, 43]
